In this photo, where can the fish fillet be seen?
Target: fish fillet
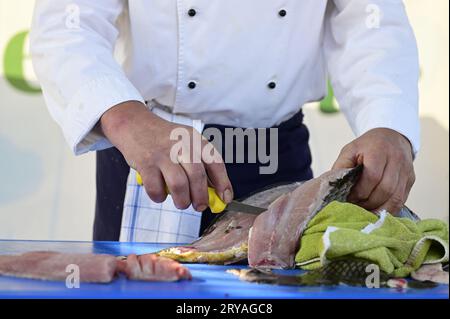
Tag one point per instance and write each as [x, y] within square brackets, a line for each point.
[433, 272]
[227, 241]
[98, 268]
[150, 267]
[274, 237]
[47, 265]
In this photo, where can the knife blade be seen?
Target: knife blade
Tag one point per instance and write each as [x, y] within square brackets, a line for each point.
[236, 206]
[217, 205]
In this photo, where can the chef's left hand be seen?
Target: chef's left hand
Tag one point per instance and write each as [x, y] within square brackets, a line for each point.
[388, 173]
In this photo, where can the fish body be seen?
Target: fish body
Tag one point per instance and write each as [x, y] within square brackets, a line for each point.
[226, 240]
[275, 235]
[431, 272]
[352, 272]
[270, 239]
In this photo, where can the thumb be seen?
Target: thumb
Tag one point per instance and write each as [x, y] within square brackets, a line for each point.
[346, 159]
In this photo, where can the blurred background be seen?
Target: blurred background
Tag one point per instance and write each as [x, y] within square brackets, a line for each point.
[47, 193]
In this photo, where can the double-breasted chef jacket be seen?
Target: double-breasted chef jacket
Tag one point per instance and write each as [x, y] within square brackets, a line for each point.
[250, 63]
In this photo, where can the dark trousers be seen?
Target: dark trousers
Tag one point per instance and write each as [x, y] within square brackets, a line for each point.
[294, 164]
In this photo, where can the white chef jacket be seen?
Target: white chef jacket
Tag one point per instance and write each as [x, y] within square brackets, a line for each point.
[231, 62]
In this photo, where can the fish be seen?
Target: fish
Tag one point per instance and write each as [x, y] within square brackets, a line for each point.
[349, 271]
[431, 272]
[274, 238]
[49, 265]
[228, 239]
[93, 268]
[150, 267]
[225, 241]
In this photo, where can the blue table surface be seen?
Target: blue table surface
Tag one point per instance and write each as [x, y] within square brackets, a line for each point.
[209, 281]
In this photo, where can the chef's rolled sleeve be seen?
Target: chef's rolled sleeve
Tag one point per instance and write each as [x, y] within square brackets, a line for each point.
[372, 60]
[72, 49]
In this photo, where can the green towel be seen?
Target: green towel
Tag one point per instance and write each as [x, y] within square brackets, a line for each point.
[398, 245]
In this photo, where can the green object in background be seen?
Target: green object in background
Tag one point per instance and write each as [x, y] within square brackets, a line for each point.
[397, 245]
[328, 104]
[13, 63]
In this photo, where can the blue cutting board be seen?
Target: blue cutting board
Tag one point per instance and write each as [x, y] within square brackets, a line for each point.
[209, 281]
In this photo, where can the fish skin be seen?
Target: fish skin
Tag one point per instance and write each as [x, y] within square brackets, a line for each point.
[351, 272]
[48, 265]
[348, 271]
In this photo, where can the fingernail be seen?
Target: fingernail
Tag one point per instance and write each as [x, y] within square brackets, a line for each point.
[201, 208]
[227, 196]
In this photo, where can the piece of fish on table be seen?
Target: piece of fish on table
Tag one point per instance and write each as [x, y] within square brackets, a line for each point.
[431, 272]
[346, 271]
[275, 235]
[226, 240]
[95, 268]
[150, 267]
[350, 271]
[48, 265]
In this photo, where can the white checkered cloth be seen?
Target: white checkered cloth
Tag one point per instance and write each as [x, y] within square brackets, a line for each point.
[146, 221]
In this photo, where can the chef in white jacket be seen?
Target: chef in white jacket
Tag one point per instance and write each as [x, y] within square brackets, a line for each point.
[119, 76]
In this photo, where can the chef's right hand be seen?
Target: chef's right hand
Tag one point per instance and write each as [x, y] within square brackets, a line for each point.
[144, 140]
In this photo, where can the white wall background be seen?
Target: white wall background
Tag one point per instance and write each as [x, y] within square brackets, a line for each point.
[47, 193]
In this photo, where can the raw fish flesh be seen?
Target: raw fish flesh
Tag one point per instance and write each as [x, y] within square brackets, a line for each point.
[47, 265]
[275, 235]
[432, 272]
[98, 268]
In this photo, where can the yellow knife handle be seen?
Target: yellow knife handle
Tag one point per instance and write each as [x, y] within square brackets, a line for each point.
[216, 204]
[139, 179]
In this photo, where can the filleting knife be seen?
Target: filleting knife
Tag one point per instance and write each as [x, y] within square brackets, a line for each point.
[217, 205]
